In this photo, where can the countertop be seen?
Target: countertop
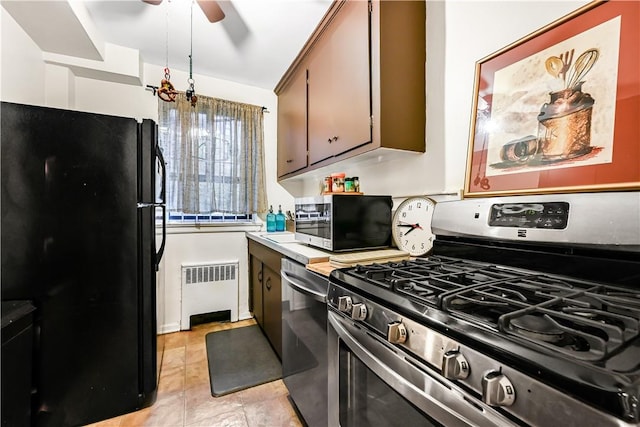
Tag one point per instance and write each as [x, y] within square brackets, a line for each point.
[284, 242]
[318, 260]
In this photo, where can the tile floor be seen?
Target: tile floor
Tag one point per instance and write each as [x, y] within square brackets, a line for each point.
[184, 393]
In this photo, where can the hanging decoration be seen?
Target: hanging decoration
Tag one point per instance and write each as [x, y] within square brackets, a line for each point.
[191, 91]
[166, 91]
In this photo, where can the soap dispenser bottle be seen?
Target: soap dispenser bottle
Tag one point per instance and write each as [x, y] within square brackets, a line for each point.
[271, 220]
[280, 219]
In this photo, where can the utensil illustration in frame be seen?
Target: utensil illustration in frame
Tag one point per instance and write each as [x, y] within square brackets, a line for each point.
[552, 110]
[548, 109]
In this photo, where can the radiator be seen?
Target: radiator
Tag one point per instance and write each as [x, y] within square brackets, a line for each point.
[208, 288]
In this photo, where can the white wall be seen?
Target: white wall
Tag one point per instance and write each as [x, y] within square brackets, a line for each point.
[21, 67]
[459, 33]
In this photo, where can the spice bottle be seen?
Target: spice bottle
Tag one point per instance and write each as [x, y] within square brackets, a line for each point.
[338, 182]
[328, 181]
[356, 184]
[348, 185]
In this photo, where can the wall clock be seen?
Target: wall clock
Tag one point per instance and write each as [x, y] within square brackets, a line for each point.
[411, 225]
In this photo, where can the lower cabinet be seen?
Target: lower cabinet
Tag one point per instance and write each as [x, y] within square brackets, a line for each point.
[272, 307]
[266, 292]
[256, 289]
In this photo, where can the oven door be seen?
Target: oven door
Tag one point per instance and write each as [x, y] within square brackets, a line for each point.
[372, 383]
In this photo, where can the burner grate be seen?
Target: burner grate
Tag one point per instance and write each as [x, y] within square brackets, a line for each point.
[580, 319]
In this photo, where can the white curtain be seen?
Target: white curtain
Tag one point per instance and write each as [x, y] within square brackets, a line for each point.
[215, 156]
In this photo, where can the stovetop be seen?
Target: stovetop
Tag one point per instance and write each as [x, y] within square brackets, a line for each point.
[576, 335]
[584, 320]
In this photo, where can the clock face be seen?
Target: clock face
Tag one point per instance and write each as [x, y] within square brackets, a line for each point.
[411, 226]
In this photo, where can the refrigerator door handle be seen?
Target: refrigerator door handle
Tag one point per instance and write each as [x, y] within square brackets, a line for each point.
[163, 204]
[163, 167]
[164, 237]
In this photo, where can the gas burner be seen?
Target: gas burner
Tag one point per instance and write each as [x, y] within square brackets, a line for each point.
[418, 291]
[368, 268]
[460, 303]
[539, 328]
[403, 285]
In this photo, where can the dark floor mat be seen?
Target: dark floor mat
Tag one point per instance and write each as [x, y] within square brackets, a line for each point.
[240, 358]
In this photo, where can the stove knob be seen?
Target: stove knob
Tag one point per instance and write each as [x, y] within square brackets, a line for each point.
[344, 304]
[396, 333]
[359, 311]
[497, 390]
[454, 365]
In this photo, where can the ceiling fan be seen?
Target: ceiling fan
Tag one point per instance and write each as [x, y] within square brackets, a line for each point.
[211, 9]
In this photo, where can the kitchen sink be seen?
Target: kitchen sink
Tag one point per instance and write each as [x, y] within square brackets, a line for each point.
[282, 237]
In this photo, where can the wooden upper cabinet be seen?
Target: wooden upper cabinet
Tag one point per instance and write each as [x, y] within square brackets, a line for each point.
[398, 79]
[292, 124]
[339, 107]
[364, 69]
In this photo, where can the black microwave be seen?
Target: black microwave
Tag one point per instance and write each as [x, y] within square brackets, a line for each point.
[344, 222]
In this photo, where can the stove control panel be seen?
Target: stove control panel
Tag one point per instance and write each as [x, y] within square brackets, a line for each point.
[547, 215]
[497, 390]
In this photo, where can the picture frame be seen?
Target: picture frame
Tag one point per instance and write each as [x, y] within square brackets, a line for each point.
[558, 111]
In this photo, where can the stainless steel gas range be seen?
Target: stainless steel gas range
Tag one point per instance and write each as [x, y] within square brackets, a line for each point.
[526, 313]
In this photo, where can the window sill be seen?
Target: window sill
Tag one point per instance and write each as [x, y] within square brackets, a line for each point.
[211, 228]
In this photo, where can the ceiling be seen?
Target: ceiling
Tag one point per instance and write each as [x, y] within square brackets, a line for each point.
[254, 44]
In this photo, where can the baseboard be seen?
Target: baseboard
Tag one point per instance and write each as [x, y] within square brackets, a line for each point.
[244, 316]
[168, 328]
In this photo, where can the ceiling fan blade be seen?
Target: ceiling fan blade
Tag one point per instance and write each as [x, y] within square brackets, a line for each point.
[153, 2]
[212, 10]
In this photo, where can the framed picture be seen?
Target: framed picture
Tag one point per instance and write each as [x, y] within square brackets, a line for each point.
[559, 110]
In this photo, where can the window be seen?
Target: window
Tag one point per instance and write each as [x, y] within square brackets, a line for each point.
[215, 160]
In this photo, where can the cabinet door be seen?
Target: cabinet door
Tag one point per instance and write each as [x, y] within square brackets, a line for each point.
[256, 289]
[272, 300]
[292, 124]
[339, 88]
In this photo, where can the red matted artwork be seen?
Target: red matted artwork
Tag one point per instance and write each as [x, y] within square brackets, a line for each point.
[559, 110]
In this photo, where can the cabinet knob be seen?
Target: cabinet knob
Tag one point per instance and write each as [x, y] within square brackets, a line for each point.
[334, 139]
[268, 283]
[289, 160]
[260, 276]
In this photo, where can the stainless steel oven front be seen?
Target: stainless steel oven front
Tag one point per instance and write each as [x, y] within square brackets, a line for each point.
[373, 383]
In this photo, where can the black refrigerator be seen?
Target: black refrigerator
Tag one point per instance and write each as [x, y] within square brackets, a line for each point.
[79, 214]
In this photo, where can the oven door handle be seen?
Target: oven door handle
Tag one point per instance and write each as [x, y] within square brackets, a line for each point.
[448, 405]
[299, 286]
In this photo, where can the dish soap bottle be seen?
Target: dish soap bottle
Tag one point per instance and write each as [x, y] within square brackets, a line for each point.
[280, 219]
[271, 220]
